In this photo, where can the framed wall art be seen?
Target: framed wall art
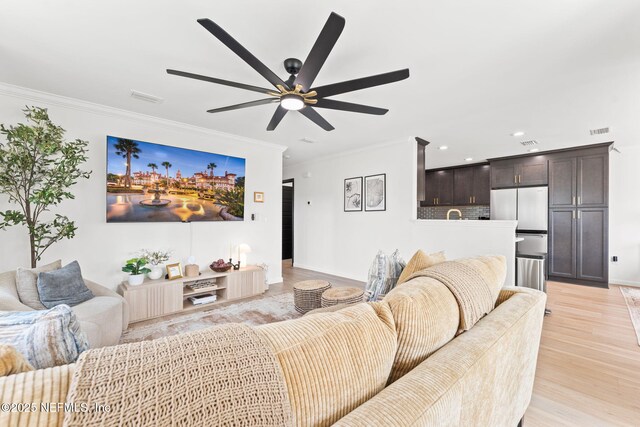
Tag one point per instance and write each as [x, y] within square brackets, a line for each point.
[353, 194]
[375, 190]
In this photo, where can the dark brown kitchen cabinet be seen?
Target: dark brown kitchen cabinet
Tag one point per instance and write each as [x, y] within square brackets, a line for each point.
[579, 181]
[578, 216]
[592, 257]
[593, 180]
[463, 186]
[562, 243]
[525, 171]
[460, 186]
[562, 182]
[439, 187]
[481, 185]
[578, 244]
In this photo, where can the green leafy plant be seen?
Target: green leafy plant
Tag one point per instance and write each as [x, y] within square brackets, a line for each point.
[233, 199]
[136, 266]
[38, 168]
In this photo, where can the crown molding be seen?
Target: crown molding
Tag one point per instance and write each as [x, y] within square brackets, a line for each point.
[351, 152]
[14, 91]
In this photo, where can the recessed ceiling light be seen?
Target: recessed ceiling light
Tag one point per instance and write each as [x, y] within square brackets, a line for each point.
[534, 150]
[442, 147]
[468, 159]
[286, 156]
[308, 140]
[518, 133]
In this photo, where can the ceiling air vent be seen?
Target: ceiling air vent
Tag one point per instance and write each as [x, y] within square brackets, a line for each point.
[529, 143]
[600, 131]
[146, 97]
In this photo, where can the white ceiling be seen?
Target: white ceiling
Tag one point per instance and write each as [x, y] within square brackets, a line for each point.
[480, 70]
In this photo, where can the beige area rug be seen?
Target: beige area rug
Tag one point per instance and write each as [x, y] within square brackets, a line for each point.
[632, 298]
[256, 312]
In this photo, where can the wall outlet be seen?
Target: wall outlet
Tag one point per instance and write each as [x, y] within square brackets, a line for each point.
[614, 258]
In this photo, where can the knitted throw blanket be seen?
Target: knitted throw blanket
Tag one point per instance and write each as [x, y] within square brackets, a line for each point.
[474, 289]
[220, 376]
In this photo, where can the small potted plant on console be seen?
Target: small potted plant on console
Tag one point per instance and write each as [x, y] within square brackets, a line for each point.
[136, 269]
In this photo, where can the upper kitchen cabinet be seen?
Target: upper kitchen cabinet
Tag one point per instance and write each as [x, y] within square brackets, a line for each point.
[481, 185]
[525, 171]
[439, 188]
[459, 186]
[579, 180]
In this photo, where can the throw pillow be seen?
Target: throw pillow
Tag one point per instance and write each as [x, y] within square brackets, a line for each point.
[63, 286]
[45, 338]
[12, 362]
[27, 284]
[420, 261]
[383, 275]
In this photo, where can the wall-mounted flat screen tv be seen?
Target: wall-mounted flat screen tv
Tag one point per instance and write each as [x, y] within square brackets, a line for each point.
[149, 182]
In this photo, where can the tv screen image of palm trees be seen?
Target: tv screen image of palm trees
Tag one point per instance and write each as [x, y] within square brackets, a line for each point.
[148, 182]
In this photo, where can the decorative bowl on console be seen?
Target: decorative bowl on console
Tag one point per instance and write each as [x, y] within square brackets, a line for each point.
[220, 266]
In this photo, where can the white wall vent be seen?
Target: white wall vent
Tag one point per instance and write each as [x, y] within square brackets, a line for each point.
[600, 131]
[529, 143]
[146, 97]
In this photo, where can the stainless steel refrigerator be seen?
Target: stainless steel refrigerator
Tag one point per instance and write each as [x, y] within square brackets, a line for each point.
[529, 206]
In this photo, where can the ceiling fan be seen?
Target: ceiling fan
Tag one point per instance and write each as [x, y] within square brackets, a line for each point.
[297, 93]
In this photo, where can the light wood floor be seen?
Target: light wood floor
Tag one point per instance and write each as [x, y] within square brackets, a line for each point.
[588, 370]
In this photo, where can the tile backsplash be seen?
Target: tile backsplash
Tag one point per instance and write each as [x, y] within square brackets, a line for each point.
[440, 212]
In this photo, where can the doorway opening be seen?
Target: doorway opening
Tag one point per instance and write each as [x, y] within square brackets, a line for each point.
[287, 219]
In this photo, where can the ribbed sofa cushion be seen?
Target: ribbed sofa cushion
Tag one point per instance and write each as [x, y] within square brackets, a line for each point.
[426, 316]
[334, 362]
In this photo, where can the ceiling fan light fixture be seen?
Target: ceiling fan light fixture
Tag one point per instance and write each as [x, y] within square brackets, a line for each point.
[292, 102]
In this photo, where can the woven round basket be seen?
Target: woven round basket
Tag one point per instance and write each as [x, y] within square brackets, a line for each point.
[343, 295]
[307, 295]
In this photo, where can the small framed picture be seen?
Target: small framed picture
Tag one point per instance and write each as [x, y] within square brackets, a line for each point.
[375, 190]
[174, 271]
[353, 194]
[258, 196]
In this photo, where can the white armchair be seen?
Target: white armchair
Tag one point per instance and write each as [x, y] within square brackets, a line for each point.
[102, 318]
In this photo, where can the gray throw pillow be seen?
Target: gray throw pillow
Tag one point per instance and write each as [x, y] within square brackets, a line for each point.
[63, 286]
[27, 284]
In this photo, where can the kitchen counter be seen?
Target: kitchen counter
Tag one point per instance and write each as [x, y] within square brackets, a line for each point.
[466, 238]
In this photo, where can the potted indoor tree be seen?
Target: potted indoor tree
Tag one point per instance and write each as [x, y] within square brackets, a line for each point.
[38, 169]
[136, 269]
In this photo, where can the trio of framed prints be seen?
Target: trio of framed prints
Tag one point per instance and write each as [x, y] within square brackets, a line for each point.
[370, 192]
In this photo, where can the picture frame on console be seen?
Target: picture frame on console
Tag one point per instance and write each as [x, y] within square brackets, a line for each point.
[353, 194]
[174, 271]
[375, 190]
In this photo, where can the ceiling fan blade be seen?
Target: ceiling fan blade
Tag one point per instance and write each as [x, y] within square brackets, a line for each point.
[277, 118]
[243, 53]
[244, 105]
[320, 50]
[362, 83]
[348, 106]
[316, 118]
[219, 81]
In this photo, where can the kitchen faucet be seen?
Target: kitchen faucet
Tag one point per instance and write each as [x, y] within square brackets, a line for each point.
[454, 210]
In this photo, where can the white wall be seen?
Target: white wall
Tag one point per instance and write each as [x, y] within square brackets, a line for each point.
[330, 240]
[624, 215]
[101, 248]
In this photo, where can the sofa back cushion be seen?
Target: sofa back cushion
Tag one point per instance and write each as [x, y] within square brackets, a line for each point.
[426, 316]
[333, 362]
[27, 284]
[419, 261]
[63, 286]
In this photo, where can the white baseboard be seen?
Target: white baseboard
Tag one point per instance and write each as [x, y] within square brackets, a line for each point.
[624, 282]
[276, 280]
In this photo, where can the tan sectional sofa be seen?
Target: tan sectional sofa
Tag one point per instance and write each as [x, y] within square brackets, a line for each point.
[405, 361]
[102, 318]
